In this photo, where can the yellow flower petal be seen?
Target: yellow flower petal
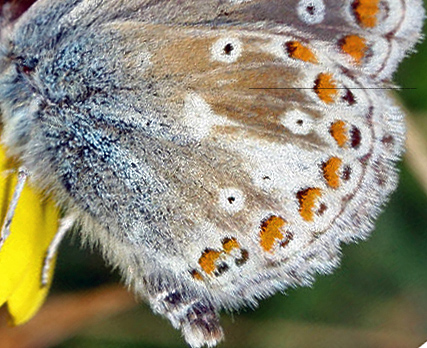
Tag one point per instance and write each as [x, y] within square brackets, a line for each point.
[21, 258]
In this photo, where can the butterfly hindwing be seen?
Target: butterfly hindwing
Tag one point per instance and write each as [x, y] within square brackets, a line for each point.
[218, 151]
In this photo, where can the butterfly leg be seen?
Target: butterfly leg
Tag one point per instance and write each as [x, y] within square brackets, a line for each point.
[64, 226]
[5, 229]
[197, 319]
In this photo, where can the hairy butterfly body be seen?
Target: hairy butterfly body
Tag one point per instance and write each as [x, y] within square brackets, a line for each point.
[218, 151]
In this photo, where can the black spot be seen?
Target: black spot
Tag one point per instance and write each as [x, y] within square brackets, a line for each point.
[228, 48]
[349, 97]
[310, 10]
[289, 236]
[221, 268]
[300, 122]
[243, 258]
[356, 137]
[323, 207]
[346, 174]
[266, 177]
[231, 200]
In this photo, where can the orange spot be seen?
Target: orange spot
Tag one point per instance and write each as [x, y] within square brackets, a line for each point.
[297, 50]
[270, 232]
[307, 200]
[207, 260]
[366, 12]
[354, 46]
[338, 131]
[196, 275]
[326, 88]
[331, 172]
[228, 244]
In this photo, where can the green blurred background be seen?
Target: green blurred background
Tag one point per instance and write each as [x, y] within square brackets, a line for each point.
[377, 298]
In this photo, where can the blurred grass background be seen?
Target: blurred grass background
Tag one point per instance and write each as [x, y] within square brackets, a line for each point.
[377, 298]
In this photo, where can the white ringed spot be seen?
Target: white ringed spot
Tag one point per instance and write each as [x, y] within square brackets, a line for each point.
[226, 50]
[298, 122]
[232, 200]
[311, 11]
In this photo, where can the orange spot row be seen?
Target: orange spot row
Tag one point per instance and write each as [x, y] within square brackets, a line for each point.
[355, 46]
[366, 12]
[331, 170]
[326, 88]
[270, 232]
[307, 201]
[299, 51]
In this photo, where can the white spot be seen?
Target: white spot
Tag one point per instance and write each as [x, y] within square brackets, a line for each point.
[231, 200]
[311, 11]
[226, 50]
[199, 117]
[280, 169]
[297, 122]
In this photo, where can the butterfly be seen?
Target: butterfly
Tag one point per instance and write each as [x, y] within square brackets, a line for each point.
[217, 151]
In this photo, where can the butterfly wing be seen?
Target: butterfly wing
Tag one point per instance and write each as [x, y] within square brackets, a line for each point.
[217, 150]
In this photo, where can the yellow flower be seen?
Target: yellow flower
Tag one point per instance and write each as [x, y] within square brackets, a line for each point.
[34, 224]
